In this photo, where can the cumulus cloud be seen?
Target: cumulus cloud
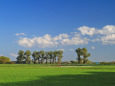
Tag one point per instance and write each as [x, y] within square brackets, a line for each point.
[76, 40]
[26, 42]
[106, 35]
[106, 30]
[61, 36]
[49, 41]
[18, 34]
[14, 55]
[108, 39]
[87, 30]
[45, 41]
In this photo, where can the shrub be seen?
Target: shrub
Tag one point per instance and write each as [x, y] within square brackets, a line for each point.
[107, 63]
[11, 62]
[74, 62]
[89, 62]
[66, 62]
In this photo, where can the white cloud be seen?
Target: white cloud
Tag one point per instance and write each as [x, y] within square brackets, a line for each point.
[26, 42]
[14, 55]
[106, 35]
[75, 41]
[87, 30]
[48, 41]
[18, 34]
[45, 41]
[60, 37]
[92, 47]
[97, 39]
[106, 30]
[108, 39]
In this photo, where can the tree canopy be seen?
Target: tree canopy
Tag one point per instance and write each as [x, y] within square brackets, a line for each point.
[82, 52]
[4, 60]
[40, 56]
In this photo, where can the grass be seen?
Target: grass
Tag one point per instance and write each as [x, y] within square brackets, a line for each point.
[43, 75]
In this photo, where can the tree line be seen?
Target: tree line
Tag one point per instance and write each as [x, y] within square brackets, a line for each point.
[38, 57]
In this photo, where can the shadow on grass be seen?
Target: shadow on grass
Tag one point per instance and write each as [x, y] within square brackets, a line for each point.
[92, 79]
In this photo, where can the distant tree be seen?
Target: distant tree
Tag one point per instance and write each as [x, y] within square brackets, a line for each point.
[85, 55]
[4, 60]
[46, 56]
[59, 55]
[79, 53]
[27, 56]
[55, 53]
[35, 56]
[42, 55]
[38, 56]
[20, 57]
[50, 56]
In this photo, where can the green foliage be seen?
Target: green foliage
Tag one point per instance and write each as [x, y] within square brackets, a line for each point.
[79, 53]
[4, 60]
[66, 62]
[107, 63]
[35, 56]
[39, 57]
[51, 56]
[82, 52]
[89, 62]
[20, 57]
[11, 62]
[85, 55]
[55, 53]
[59, 55]
[27, 56]
[42, 55]
[74, 62]
[47, 56]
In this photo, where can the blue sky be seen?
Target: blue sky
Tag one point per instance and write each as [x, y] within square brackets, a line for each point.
[58, 24]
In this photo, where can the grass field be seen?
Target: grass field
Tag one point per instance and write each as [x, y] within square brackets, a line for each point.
[42, 75]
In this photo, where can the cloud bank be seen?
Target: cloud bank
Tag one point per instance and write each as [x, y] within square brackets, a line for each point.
[106, 35]
[49, 41]
[82, 36]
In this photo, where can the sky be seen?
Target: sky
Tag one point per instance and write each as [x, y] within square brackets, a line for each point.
[58, 25]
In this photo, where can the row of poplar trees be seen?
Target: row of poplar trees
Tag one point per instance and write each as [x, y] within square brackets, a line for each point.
[40, 57]
[82, 55]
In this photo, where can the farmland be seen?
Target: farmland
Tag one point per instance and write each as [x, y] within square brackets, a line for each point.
[50, 75]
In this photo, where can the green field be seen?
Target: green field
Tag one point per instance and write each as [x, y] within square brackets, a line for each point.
[47, 75]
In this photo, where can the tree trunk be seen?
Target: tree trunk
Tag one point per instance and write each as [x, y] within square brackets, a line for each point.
[41, 61]
[50, 61]
[53, 60]
[79, 59]
[84, 61]
[46, 60]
